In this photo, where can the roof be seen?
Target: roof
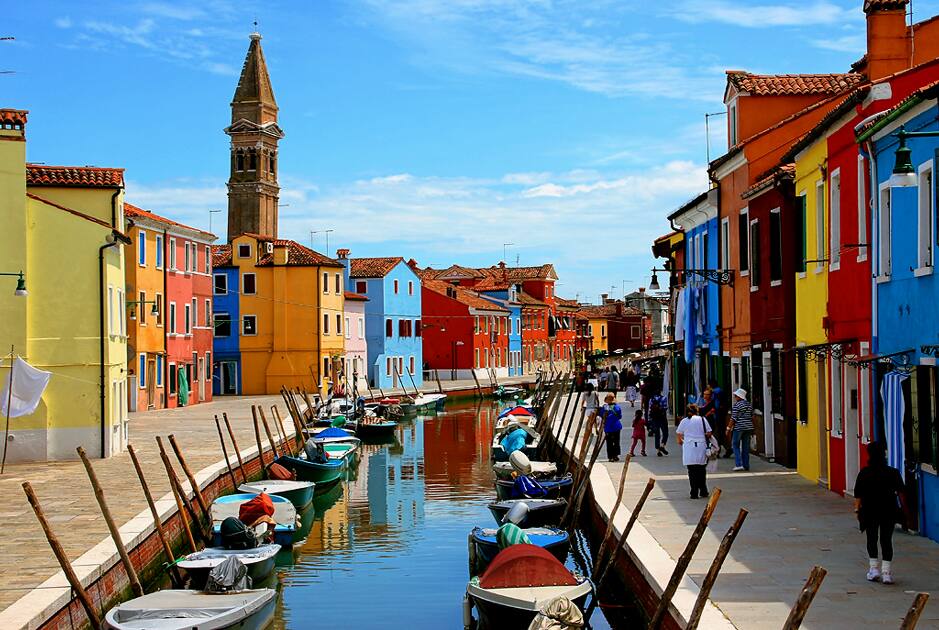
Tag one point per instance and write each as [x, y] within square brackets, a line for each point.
[607, 311]
[372, 267]
[80, 176]
[688, 204]
[930, 90]
[462, 295]
[565, 303]
[254, 84]
[298, 256]
[15, 117]
[134, 211]
[358, 297]
[793, 84]
[76, 213]
[871, 6]
[221, 255]
[786, 172]
[848, 103]
[526, 300]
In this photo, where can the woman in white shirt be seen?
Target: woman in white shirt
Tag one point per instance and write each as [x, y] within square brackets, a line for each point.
[694, 432]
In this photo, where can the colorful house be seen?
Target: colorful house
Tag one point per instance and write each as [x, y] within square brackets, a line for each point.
[169, 289]
[226, 283]
[78, 334]
[356, 346]
[392, 318]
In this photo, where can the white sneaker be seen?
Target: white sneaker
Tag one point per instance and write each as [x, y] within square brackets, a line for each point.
[738, 468]
[887, 577]
[873, 574]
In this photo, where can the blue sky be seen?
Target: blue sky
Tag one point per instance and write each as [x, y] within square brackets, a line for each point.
[432, 129]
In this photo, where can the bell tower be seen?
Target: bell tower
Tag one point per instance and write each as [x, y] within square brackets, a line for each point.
[253, 191]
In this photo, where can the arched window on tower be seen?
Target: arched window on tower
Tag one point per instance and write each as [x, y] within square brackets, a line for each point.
[252, 159]
[270, 164]
[239, 161]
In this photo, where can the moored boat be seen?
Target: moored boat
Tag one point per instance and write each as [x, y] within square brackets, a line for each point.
[325, 474]
[532, 441]
[554, 486]
[285, 515]
[375, 430]
[195, 610]
[486, 543]
[503, 470]
[541, 512]
[300, 493]
[337, 444]
[259, 562]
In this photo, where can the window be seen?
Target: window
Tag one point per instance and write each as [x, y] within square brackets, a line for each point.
[338, 324]
[187, 315]
[244, 251]
[732, 124]
[207, 376]
[172, 254]
[121, 312]
[743, 240]
[411, 364]
[221, 284]
[208, 259]
[884, 234]
[142, 307]
[110, 309]
[410, 288]
[801, 240]
[159, 370]
[159, 306]
[819, 225]
[602, 330]
[252, 160]
[142, 371]
[173, 379]
[834, 205]
[325, 366]
[755, 253]
[142, 250]
[239, 161]
[417, 328]
[208, 312]
[389, 328]
[634, 332]
[248, 284]
[861, 209]
[361, 287]
[325, 323]
[518, 325]
[186, 257]
[836, 392]
[338, 284]
[725, 243]
[925, 221]
[476, 328]
[195, 312]
[348, 329]
[159, 251]
[396, 287]
[222, 325]
[775, 245]
[249, 325]
[476, 360]
[172, 318]
[388, 366]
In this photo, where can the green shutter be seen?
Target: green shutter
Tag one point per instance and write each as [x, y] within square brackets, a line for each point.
[801, 236]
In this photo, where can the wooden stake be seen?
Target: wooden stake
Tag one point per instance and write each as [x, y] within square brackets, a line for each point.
[196, 490]
[633, 517]
[257, 437]
[157, 521]
[913, 614]
[221, 438]
[234, 443]
[267, 430]
[684, 559]
[797, 614]
[609, 524]
[60, 555]
[182, 501]
[581, 487]
[437, 376]
[478, 388]
[283, 429]
[112, 526]
[573, 446]
[570, 425]
[715, 569]
[560, 427]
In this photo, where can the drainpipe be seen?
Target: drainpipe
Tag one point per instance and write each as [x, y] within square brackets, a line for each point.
[873, 238]
[111, 242]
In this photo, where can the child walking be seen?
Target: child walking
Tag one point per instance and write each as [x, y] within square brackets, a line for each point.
[639, 433]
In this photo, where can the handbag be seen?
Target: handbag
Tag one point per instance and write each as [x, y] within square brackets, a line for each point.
[713, 449]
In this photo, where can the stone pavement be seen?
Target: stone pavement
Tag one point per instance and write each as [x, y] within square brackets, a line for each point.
[68, 501]
[792, 526]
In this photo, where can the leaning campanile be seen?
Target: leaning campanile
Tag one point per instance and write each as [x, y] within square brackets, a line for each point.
[252, 187]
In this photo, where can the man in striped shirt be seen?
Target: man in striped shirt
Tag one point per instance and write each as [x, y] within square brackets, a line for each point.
[741, 415]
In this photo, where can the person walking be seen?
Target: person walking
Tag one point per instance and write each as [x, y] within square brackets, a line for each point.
[658, 421]
[877, 494]
[719, 420]
[613, 382]
[631, 383]
[591, 406]
[639, 433]
[693, 433]
[741, 428]
[612, 427]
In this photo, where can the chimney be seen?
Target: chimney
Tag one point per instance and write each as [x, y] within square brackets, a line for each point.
[412, 264]
[14, 240]
[642, 289]
[604, 297]
[888, 38]
[342, 254]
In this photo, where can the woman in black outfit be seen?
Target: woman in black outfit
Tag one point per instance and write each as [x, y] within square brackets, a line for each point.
[877, 493]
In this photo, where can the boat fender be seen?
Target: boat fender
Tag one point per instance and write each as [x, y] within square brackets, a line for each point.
[468, 622]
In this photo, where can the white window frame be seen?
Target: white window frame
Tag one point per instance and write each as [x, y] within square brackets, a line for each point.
[754, 280]
[239, 246]
[361, 328]
[745, 218]
[245, 275]
[837, 404]
[207, 375]
[244, 320]
[338, 283]
[142, 369]
[195, 312]
[884, 231]
[725, 243]
[775, 282]
[223, 276]
[208, 313]
[348, 328]
[925, 218]
[158, 258]
[208, 259]
[339, 324]
[122, 312]
[172, 318]
[732, 129]
[863, 245]
[325, 324]
[158, 297]
[111, 309]
[172, 260]
[820, 236]
[141, 248]
[834, 220]
[187, 257]
[187, 318]
[159, 370]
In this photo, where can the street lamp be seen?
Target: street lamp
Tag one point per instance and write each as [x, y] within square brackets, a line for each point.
[20, 290]
[154, 311]
[904, 175]
[654, 285]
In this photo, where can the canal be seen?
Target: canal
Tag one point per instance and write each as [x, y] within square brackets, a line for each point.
[388, 547]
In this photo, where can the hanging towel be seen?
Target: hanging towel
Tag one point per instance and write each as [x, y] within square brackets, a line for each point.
[183, 385]
[689, 323]
[667, 378]
[891, 392]
[680, 315]
[28, 386]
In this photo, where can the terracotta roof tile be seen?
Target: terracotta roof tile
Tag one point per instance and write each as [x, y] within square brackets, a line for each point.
[884, 5]
[221, 255]
[13, 117]
[358, 297]
[462, 295]
[85, 176]
[372, 267]
[134, 211]
[609, 310]
[298, 256]
[793, 84]
[775, 174]
[527, 300]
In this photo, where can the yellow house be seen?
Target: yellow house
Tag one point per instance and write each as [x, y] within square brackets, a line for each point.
[598, 327]
[811, 309]
[61, 228]
[291, 313]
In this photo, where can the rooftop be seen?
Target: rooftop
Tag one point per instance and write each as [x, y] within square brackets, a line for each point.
[134, 211]
[78, 176]
[373, 267]
[462, 295]
[793, 84]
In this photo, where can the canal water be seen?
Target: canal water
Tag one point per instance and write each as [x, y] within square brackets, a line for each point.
[388, 547]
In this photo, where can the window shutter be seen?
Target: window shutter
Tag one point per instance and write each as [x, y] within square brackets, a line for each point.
[800, 233]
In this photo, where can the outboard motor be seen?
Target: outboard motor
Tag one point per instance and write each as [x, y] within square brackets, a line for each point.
[520, 463]
[228, 577]
[236, 535]
[517, 513]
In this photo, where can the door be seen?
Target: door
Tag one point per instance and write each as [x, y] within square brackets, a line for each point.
[228, 375]
[852, 431]
[151, 383]
[769, 435]
[200, 374]
[822, 415]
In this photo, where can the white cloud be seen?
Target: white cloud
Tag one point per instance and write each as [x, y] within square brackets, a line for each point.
[63, 22]
[751, 15]
[854, 44]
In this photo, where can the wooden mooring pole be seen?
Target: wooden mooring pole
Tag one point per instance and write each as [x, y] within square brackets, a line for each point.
[267, 431]
[196, 490]
[581, 486]
[135, 585]
[797, 614]
[913, 614]
[234, 443]
[257, 437]
[182, 501]
[479, 389]
[283, 429]
[705, 591]
[609, 524]
[157, 521]
[573, 447]
[221, 438]
[93, 618]
[633, 517]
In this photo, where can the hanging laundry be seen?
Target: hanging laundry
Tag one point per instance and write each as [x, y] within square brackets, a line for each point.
[28, 386]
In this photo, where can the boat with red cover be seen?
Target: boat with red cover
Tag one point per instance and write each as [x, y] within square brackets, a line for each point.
[519, 582]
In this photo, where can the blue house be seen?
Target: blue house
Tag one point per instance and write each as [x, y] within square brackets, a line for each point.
[696, 332]
[905, 336]
[507, 298]
[226, 372]
[392, 318]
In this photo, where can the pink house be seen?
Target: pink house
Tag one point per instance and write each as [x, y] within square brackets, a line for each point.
[355, 344]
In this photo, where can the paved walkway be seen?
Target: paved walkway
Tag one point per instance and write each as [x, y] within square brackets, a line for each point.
[792, 526]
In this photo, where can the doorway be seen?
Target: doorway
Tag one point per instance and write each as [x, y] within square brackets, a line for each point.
[822, 415]
[151, 383]
[200, 372]
[769, 434]
[228, 378]
[852, 433]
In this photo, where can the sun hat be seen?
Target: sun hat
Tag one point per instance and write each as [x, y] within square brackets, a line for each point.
[740, 393]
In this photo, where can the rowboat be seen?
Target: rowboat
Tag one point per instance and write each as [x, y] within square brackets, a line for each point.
[518, 583]
[503, 470]
[300, 493]
[555, 486]
[541, 512]
[285, 515]
[324, 474]
[375, 430]
[532, 441]
[338, 444]
[195, 610]
[424, 403]
[486, 545]
[259, 562]
[503, 392]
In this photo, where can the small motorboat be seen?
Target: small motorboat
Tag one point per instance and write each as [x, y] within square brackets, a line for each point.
[423, 403]
[486, 545]
[259, 562]
[508, 392]
[375, 429]
[300, 493]
[555, 487]
[541, 512]
[337, 444]
[532, 441]
[518, 583]
[325, 474]
[503, 470]
[195, 610]
[285, 515]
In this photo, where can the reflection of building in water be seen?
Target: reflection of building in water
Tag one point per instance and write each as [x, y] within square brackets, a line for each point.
[330, 531]
[449, 458]
[396, 481]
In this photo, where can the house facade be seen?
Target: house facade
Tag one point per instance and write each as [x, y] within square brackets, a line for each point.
[356, 346]
[226, 284]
